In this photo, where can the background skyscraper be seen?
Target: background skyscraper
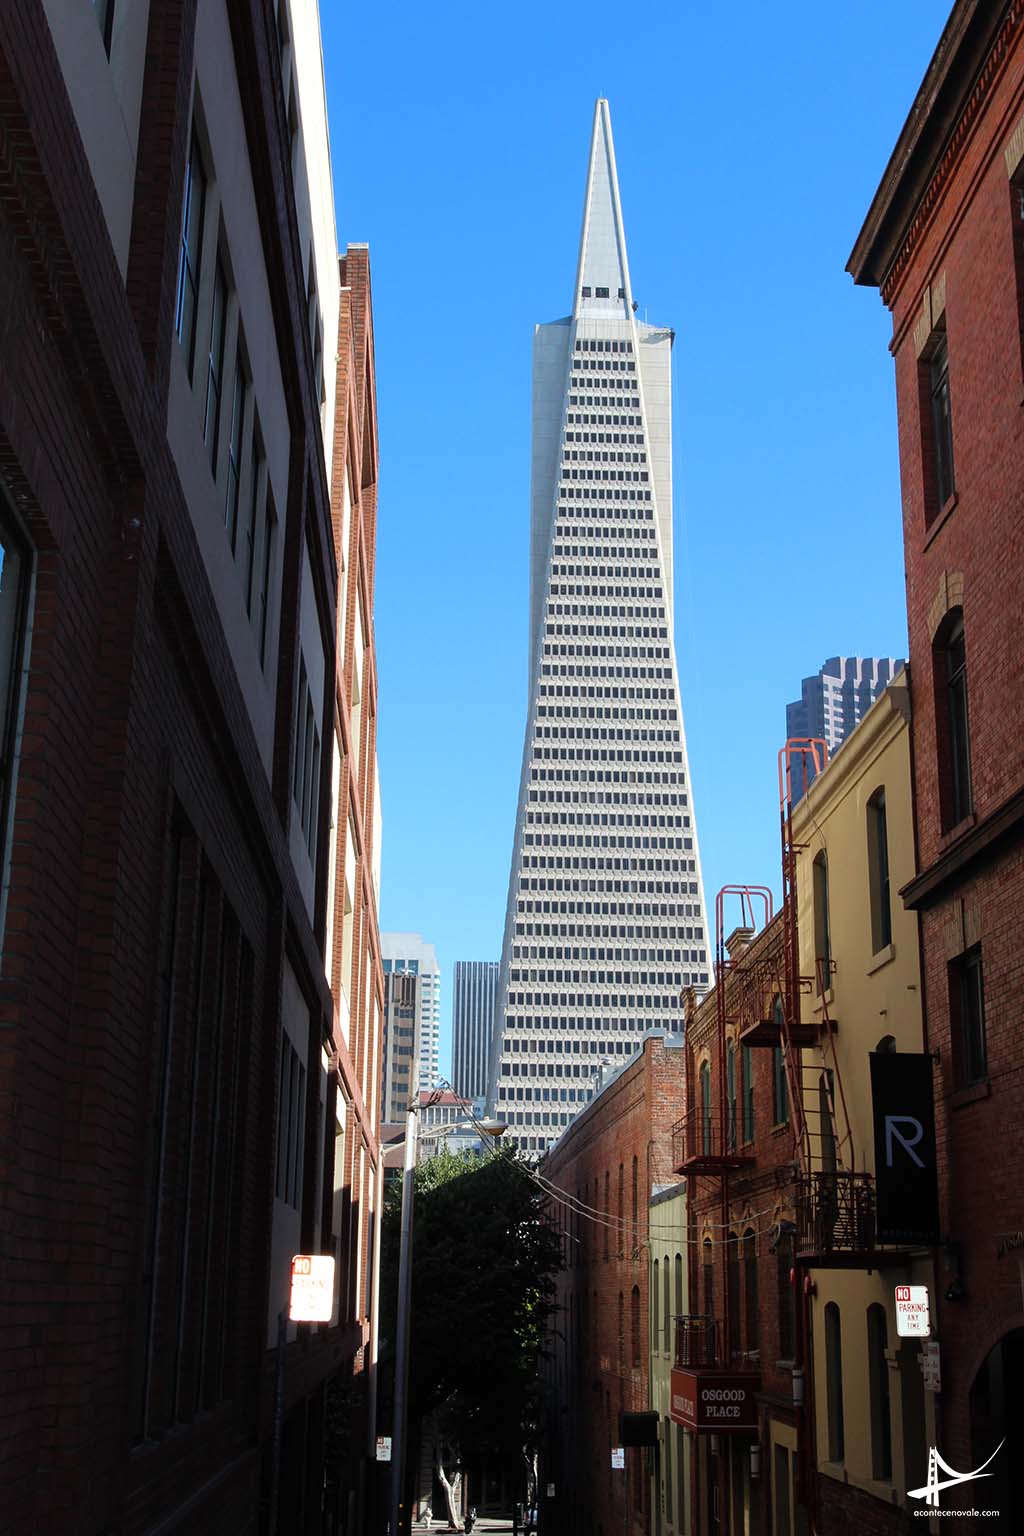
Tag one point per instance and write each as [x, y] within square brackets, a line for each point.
[605, 920]
[476, 986]
[409, 953]
[401, 1074]
[832, 702]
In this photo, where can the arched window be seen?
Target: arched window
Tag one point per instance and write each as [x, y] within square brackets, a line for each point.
[655, 1299]
[732, 1280]
[952, 733]
[834, 1383]
[679, 1285]
[708, 1277]
[878, 872]
[607, 1209]
[730, 1094]
[878, 1386]
[750, 1289]
[822, 923]
[705, 1108]
[667, 1331]
[634, 1238]
[635, 1318]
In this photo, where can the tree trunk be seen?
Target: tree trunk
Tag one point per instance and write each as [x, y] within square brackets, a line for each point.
[451, 1492]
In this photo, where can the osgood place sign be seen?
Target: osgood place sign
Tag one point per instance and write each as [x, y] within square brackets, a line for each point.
[718, 1400]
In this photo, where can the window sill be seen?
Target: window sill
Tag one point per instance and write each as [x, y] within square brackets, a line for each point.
[779, 1127]
[955, 833]
[940, 520]
[880, 958]
[970, 1094]
[823, 999]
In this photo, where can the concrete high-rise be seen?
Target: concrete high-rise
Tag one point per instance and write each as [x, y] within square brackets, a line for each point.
[832, 702]
[605, 922]
[400, 1081]
[476, 986]
[408, 952]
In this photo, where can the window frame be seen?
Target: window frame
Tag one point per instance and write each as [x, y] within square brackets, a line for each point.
[189, 269]
[879, 882]
[13, 538]
[967, 997]
[220, 299]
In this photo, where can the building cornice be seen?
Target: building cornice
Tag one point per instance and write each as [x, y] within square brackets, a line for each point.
[887, 717]
[967, 61]
[982, 841]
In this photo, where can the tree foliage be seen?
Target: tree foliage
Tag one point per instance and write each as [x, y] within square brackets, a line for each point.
[483, 1287]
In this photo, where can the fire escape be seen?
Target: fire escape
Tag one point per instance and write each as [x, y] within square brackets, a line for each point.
[708, 1143]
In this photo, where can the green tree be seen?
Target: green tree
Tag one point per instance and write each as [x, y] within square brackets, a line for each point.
[484, 1263]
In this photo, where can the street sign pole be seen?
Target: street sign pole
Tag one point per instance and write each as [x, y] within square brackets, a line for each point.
[275, 1452]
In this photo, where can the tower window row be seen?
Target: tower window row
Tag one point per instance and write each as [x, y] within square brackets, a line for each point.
[636, 911]
[603, 421]
[597, 344]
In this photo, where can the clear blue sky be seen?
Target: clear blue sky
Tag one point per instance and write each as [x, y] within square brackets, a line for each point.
[750, 140]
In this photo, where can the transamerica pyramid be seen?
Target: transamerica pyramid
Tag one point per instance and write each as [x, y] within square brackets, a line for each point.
[605, 922]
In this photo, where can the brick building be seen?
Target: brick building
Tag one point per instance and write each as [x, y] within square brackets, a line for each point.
[944, 244]
[603, 1170]
[739, 1337]
[190, 979]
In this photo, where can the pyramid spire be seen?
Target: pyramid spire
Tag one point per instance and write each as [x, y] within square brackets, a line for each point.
[602, 276]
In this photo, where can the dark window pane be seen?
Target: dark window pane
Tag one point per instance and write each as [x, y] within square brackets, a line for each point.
[959, 741]
[942, 423]
[193, 206]
[215, 375]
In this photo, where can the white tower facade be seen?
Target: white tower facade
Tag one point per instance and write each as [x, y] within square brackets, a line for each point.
[605, 923]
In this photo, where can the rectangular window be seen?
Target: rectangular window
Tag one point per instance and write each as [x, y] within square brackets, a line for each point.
[291, 1113]
[15, 569]
[235, 454]
[957, 727]
[748, 1093]
[878, 872]
[967, 1017]
[215, 372]
[187, 1317]
[256, 491]
[266, 568]
[194, 204]
[780, 1091]
[936, 426]
[942, 422]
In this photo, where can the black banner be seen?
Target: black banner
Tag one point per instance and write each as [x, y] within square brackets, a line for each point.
[638, 1429]
[906, 1176]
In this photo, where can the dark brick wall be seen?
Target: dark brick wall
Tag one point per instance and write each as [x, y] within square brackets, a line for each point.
[134, 720]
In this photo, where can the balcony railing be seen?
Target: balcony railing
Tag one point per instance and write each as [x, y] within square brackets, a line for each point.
[697, 1343]
[703, 1143]
[836, 1212]
[700, 1346]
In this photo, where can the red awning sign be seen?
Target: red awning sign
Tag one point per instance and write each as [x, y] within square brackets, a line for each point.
[715, 1400]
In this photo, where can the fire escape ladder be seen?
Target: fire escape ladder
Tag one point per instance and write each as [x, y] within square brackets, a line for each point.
[821, 1125]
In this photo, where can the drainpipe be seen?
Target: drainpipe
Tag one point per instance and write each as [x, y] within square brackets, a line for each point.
[803, 1401]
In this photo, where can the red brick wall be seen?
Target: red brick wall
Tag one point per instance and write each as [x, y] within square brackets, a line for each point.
[631, 1118]
[977, 551]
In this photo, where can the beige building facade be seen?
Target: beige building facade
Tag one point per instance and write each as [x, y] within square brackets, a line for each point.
[873, 1420]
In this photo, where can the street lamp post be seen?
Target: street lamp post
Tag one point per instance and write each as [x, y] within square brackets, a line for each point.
[398, 1428]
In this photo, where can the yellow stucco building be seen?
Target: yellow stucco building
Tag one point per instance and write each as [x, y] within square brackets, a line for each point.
[873, 1415]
